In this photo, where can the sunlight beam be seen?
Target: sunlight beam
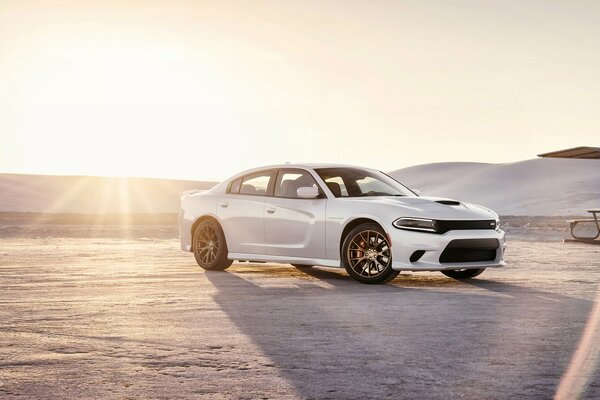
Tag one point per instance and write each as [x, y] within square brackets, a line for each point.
[585, 359]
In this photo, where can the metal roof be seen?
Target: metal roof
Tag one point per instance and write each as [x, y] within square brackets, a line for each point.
[574, 152]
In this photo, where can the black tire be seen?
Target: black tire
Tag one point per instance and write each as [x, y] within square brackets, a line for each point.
[210, 247]
[302, 266]
[366, 254]
[463, 273]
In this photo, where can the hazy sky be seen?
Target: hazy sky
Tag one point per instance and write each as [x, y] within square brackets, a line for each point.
[200, 90]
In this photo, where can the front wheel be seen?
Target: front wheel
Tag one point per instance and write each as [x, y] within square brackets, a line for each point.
[210, 248]
[367, 254]
[463, 273]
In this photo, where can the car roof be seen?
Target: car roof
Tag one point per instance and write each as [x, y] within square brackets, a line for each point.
[302, 165]
[223, 184]
[282, 166]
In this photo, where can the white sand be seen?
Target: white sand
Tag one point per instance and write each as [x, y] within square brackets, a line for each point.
[137, 319]
[532, 187]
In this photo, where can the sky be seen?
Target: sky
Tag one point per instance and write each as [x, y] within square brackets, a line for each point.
[203, 89]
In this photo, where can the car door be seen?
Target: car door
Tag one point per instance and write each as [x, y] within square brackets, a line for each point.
[294, 226]
[241, 212]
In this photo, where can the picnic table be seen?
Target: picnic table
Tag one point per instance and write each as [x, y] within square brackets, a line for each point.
[573, 224]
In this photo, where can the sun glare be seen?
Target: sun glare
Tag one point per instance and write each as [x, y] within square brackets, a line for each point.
[125, 107]
[175, 89]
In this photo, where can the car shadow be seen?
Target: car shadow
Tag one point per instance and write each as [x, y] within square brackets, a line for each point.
[332, 337]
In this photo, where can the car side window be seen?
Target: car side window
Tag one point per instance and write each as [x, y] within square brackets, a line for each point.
[337, 186]
[234, 187]
[288, 182]
[256, 184]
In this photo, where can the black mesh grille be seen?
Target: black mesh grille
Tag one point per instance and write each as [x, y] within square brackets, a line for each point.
[445, 226]
[470, 250]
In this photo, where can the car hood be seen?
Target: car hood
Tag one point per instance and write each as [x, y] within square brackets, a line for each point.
[430, 207]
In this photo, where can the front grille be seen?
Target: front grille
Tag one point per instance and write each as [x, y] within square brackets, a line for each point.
[470, 250]
[445, 226]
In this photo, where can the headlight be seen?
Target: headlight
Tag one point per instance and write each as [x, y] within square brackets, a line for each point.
[497, 223]
[416, 224]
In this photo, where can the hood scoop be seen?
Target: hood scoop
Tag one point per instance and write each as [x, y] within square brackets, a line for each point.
[448, 202]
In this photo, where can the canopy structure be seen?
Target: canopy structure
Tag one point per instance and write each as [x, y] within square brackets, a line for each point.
[574, 152]
[582, 152]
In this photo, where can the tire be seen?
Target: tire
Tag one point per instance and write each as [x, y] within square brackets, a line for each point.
[210, 247]
[366, 254]
[463, 273]
[302, 266]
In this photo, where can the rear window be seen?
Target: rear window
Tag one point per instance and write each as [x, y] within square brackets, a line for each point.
[234, 187]
[256, 184]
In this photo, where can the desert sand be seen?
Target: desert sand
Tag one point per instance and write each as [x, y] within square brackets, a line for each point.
[542, 186]
[108, 317]
[539, 187]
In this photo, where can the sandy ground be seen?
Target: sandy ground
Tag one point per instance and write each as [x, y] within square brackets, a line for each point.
[108, 318]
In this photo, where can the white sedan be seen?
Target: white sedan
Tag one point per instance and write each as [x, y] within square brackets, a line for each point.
[337, 216]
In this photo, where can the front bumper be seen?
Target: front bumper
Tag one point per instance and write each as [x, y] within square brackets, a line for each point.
[405, 243]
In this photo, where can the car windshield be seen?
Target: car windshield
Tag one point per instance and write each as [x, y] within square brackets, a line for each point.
[356, 182]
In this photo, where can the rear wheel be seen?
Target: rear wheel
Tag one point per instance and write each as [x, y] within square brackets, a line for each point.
[367, 254]
[210, 248]
[463, 273]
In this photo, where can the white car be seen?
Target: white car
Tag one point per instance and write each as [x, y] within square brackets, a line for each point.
[337, 216]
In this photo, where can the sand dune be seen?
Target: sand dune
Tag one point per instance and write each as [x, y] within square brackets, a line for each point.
[531, 187]
[84, 194]
[544, 187]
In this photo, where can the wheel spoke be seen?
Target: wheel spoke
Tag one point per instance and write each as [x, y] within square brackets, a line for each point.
[366, 241]
[365, 267]
[203, 234]
[358, 245]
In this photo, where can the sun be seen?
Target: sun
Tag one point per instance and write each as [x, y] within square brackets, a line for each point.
[123, 106]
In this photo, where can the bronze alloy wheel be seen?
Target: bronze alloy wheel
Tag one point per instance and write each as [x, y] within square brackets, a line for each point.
[367, 254]
[207, 244]
[210, 249]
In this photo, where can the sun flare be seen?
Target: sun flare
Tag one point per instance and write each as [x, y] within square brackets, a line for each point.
[174, 89]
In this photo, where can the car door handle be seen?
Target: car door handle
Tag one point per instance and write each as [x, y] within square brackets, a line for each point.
[270, 210]
[224, 204]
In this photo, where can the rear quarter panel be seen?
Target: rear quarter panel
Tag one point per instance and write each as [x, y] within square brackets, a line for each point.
[193, 207]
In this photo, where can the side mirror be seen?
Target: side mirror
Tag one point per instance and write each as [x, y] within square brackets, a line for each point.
[307, 192]
[417, 192]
